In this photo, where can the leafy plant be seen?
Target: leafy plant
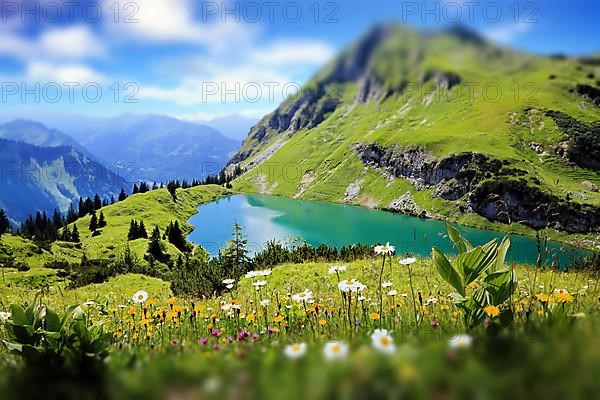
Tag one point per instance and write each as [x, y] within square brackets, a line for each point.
[65, 346]
[479, 276]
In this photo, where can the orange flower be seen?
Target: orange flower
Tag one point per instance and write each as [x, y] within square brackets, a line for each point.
[374, 316]
[132, 312]
[491, 311]
[563, 296]
[544, 298]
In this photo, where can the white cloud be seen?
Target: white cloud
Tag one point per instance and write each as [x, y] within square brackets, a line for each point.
[62, 73]
[161, 21]
[286, 52]
[507, 33]
[72, 43]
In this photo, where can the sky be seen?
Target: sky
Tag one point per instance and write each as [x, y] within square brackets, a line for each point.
[200, 60]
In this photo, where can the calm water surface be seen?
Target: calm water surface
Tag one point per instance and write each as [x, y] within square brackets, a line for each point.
[267, 217]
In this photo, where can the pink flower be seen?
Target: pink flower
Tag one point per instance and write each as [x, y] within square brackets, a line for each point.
[215, 333]
[434, 324]
[203, 341]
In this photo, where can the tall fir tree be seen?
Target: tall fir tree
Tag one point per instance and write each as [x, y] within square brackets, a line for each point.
[75, 234]
[93, 222]
[4, 222]
[101, 220]
[122, 195]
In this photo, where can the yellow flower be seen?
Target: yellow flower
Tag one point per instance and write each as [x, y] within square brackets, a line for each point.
[145, 321]
[150, 302]
[374, 316]
[564, 297]
[518, 308]
[199, 308]
[132, 312]
[250, 317]
[322, 322]
[278, 318]
[171, 301]
[544, 298]
[492, 311]
[473, 285]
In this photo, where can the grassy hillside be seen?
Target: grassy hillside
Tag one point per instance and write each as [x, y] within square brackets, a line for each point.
[426, 93]
[154, 208]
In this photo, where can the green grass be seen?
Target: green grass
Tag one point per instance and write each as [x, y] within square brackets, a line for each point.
[154, 208]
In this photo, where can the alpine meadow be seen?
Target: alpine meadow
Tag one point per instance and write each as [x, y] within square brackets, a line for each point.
[303, 200]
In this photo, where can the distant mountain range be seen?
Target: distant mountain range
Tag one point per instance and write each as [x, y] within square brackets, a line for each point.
[123, 150]
[35, 178]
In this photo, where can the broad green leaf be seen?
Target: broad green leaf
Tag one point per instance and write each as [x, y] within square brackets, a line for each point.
[455, 237]
[502, 250]
[18, 315]
[500, 285]
[472, 264]
[447, 271]
[53, 323]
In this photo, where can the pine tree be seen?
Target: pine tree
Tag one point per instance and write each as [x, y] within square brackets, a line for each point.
[155, 247]
[4, 222]
[122, 195]
[236, 252]
[133, 230]
[66, 234]
[97, 202]
[142, 233]
[135, 189]
[75, 235]
[71, 214]
[112, 199]
[101, 220]
[93, 222]
[175, 236]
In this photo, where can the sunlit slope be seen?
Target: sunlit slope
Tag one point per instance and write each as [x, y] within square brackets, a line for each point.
[441, 95]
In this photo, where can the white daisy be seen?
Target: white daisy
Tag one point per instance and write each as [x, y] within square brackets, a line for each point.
[333, 269]
[302, 297]
[386, 284]
[460, 341]
[382, 341]
[431, 301]
[295, 350]
[265, 302]
[408, 261]
[4, 316]
[228, 281]
[351, 285]
[392, 292]
[254, 274]
[335, 351]
[140, 296]
[259, 284]
[386, 249]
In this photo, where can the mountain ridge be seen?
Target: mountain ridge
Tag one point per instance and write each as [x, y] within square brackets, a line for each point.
[408, 93]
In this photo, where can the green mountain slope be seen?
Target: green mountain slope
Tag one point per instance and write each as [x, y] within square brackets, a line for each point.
[440, 124]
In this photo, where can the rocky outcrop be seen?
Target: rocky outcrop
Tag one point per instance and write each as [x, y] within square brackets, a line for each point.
[484, 185]
[515, 201]
[405, 204]
[589, 92]
[582, 144]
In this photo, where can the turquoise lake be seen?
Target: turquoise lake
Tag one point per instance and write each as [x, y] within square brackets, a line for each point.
[266, 217]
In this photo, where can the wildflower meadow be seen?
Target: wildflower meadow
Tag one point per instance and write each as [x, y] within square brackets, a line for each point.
[387, 326]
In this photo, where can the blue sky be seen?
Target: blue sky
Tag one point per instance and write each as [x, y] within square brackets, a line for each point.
[201, 60]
